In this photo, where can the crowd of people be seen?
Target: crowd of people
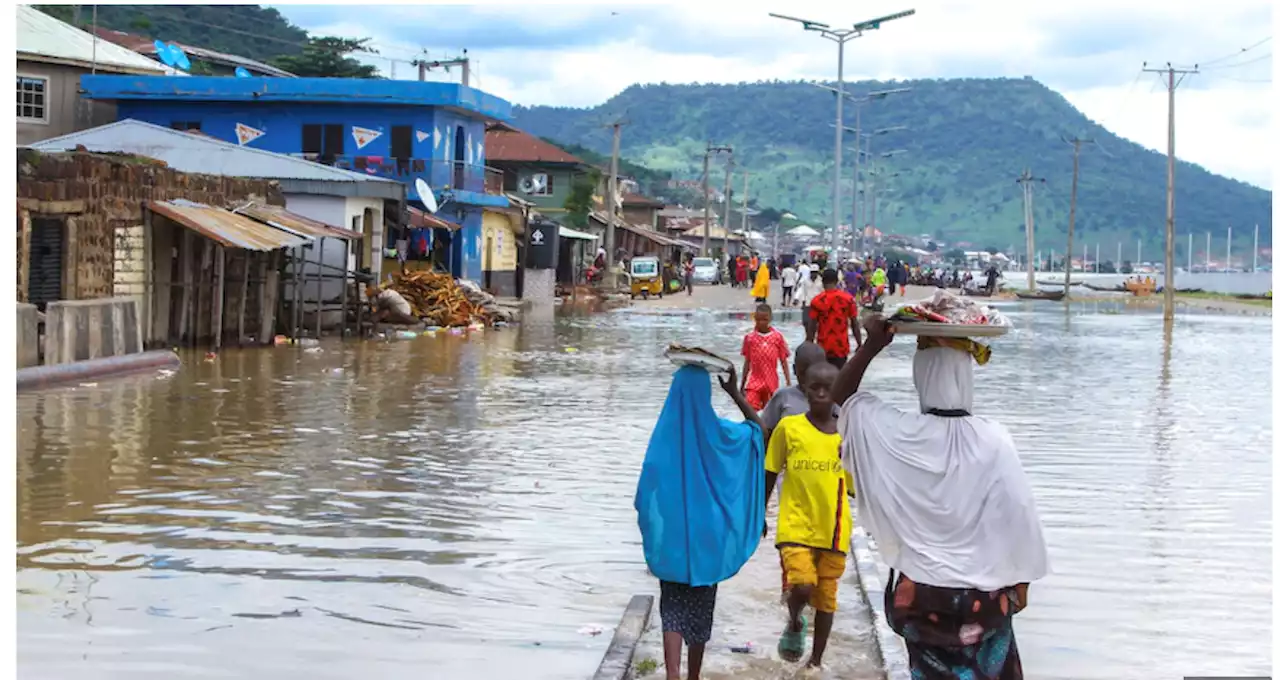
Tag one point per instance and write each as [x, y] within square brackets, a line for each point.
[940, 489]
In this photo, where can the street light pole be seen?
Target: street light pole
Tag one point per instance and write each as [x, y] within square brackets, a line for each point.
[840, 36]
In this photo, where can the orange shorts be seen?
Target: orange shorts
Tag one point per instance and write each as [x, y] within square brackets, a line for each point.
[822, 569]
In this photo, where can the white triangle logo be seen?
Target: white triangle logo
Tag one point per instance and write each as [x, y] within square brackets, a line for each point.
[436, 144]
[480, 153]
[364, 135]
[246, 134]
[422, 136]
[536, 237]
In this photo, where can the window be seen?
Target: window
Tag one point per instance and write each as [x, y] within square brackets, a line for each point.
[402, 142]
[548, 185]
[185, 125]
[322, 142]
[510, 183]
[31, 99]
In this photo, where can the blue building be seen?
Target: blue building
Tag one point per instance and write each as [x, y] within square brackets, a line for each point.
[404, 130]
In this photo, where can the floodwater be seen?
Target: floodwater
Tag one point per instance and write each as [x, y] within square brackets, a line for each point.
[455, 508]
[1234, 283]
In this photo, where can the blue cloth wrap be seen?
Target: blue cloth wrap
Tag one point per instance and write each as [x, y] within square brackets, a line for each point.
[700, 498]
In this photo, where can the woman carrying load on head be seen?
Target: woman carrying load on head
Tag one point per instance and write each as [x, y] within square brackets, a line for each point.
[944, 495]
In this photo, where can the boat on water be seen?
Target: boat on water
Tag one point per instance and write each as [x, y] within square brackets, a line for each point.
[1052, 296]
[1052, 282]
[1104, 289]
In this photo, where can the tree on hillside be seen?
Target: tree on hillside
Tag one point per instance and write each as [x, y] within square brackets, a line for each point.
[326, 57]
[955, 255]
[991, 250]
[579, 201]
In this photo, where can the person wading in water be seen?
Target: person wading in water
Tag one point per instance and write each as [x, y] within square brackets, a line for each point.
[944, 495]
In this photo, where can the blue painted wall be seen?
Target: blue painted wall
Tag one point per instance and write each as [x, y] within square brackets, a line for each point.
[281, 125]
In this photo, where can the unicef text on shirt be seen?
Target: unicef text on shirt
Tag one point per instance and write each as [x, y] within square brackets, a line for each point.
[814, 465]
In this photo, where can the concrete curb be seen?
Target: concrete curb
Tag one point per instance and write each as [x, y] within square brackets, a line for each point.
[617, 658]
[35, 377]
[893, 653]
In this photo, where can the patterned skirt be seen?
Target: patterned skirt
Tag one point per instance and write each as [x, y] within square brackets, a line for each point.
[956, 632]
[688, 610]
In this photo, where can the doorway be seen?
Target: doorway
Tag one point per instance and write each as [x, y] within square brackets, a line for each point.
[48, 243]
[459, 158]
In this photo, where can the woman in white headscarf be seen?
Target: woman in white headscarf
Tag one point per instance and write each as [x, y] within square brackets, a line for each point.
[944, 495]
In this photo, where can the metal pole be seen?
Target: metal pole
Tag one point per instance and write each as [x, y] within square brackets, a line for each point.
[1255, 248]
[1119, 255]
[1139, 252]
[706, 201]
[728, 189]
[93, 64]
[611, 199]
[857, 164]
[1191, 247]
[1228, 247]
[1208, 250]
[835, 188]
[1071, 222]
[746, 176]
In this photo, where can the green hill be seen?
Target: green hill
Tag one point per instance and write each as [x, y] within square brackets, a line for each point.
[967, 140]
[251, 31]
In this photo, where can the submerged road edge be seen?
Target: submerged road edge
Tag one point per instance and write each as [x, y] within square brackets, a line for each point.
[893, 654]
[617, 658]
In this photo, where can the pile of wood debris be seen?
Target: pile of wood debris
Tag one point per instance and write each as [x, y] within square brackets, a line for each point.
[438, 299]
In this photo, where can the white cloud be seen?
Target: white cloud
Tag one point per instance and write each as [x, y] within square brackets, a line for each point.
[1089, 50]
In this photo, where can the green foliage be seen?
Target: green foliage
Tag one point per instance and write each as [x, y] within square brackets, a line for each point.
[651, 181]
[966, 141]
[579, 201]
[896, 255]
[955, 255]
[246, 30]
[991, 250]
[326, 57]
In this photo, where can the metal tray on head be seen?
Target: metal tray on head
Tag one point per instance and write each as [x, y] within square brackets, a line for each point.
[696, 356]
[948, 330]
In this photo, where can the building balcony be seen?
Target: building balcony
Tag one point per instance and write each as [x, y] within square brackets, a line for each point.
[458, 178]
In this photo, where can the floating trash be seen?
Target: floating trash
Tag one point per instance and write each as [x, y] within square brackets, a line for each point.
[590, 630]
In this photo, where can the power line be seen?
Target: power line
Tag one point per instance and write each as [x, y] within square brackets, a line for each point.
[1236, 54]
[1240, 63]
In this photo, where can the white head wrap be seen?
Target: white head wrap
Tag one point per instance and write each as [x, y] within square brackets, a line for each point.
[945, 497]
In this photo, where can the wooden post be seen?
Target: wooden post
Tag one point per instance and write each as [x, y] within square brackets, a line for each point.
[297, 292]
[248, 259]
[268, 295]
[346, 284]
[218, 288]
[185, 266]
[320, 277]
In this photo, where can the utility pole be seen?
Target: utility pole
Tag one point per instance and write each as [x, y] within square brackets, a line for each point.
[840, 36]
[1191, 248]
[728, 190]
[1255, 249]
[746, 177]
[1228, 247]
[1026, 180]
[612, 199]
[1139, 252]
[1075, 142]
[706, 196]
[1208, 250]
[1171, 72]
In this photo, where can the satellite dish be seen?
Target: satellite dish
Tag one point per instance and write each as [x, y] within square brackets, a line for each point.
[179, 57]
[425, 195]
[527, 185]
[241, 73]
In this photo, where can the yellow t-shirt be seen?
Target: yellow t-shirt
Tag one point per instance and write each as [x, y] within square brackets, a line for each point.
[813, 506]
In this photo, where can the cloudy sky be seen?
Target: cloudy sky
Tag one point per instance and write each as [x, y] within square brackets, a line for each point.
[1090, 50]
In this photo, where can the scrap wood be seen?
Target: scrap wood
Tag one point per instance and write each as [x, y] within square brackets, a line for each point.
[438, 297]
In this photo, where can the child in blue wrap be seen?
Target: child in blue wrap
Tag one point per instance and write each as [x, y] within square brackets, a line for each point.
[700, 502]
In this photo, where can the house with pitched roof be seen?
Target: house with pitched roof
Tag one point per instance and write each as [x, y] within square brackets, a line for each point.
[532, 168]
[52, 55]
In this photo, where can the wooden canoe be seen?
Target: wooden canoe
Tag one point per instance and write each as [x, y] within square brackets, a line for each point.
[1052, 296]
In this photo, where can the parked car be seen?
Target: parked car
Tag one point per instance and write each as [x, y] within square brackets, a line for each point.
[705, 270]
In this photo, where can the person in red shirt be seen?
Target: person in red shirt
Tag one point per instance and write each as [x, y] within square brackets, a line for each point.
[763, 349]
[833, 315]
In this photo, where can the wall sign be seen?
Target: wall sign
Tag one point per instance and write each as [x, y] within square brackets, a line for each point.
[436, 143]
[364, 135]
[246, 134]
[422, 136]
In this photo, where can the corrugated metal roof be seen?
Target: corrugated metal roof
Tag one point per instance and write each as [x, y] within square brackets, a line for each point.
[422, 219]
[566, 232]
[199, 153]
[304, 225]
[147, 46]
[41, 37]
[225, 227]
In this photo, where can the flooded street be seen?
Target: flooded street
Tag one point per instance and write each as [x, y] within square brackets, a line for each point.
[451, 508]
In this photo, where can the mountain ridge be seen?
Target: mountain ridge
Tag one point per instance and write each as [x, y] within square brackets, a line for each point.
[967, 141]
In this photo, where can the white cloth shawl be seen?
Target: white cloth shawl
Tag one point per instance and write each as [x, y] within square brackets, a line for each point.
[946, 499]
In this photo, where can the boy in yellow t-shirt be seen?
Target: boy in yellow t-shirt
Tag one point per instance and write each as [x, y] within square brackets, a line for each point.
[814, 521]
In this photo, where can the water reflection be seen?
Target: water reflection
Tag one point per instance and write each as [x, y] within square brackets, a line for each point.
[464, 504]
